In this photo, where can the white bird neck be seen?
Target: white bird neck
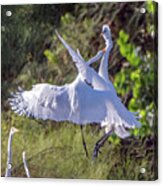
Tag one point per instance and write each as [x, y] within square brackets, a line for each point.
[103, 69]
[108, 44]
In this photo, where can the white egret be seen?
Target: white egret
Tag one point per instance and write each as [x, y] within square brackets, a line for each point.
[25, 165]
[13, 130]
[77, 102]
[103, 70]
[101, 81]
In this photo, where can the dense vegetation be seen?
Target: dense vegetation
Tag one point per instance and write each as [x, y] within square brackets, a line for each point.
[31, 53]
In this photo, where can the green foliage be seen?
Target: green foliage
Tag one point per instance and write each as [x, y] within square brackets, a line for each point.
[25, 36]
[151, 6]
[50, 56]
[128, 50]
[134, 78]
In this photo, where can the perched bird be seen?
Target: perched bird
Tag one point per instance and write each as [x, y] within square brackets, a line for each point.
[79, 102]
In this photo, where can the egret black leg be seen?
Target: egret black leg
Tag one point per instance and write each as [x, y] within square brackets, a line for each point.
[83, 141]
[100, 143]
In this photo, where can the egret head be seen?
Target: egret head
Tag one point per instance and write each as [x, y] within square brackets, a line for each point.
[13, 130]
[106, 32]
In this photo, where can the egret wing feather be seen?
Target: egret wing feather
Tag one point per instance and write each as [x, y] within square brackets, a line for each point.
[86, 72]
[76, 102]
[41, 101]
[66, 103]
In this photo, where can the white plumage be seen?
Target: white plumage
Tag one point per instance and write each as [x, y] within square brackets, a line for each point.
[103, 72]
[101, 82]
[76, 102]
[90, 98]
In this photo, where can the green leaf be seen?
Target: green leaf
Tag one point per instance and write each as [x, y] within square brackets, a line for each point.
[133, 106]
[135, 132]
[50, 56]
[143, 113]
[135, 75]
[151, 6]
[123, 36]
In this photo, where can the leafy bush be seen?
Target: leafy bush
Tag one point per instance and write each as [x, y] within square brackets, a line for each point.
[136, 83]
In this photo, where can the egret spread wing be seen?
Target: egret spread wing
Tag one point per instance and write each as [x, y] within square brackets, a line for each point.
[120, 114]
[73, 54]
[72, 102]
[76, 102]
[40, 102]
[86, 72]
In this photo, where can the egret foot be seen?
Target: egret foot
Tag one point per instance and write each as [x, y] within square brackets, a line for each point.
[96, 151]
[99, 144]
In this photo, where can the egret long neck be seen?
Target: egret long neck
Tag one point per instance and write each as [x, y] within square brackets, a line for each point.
[103, 69]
